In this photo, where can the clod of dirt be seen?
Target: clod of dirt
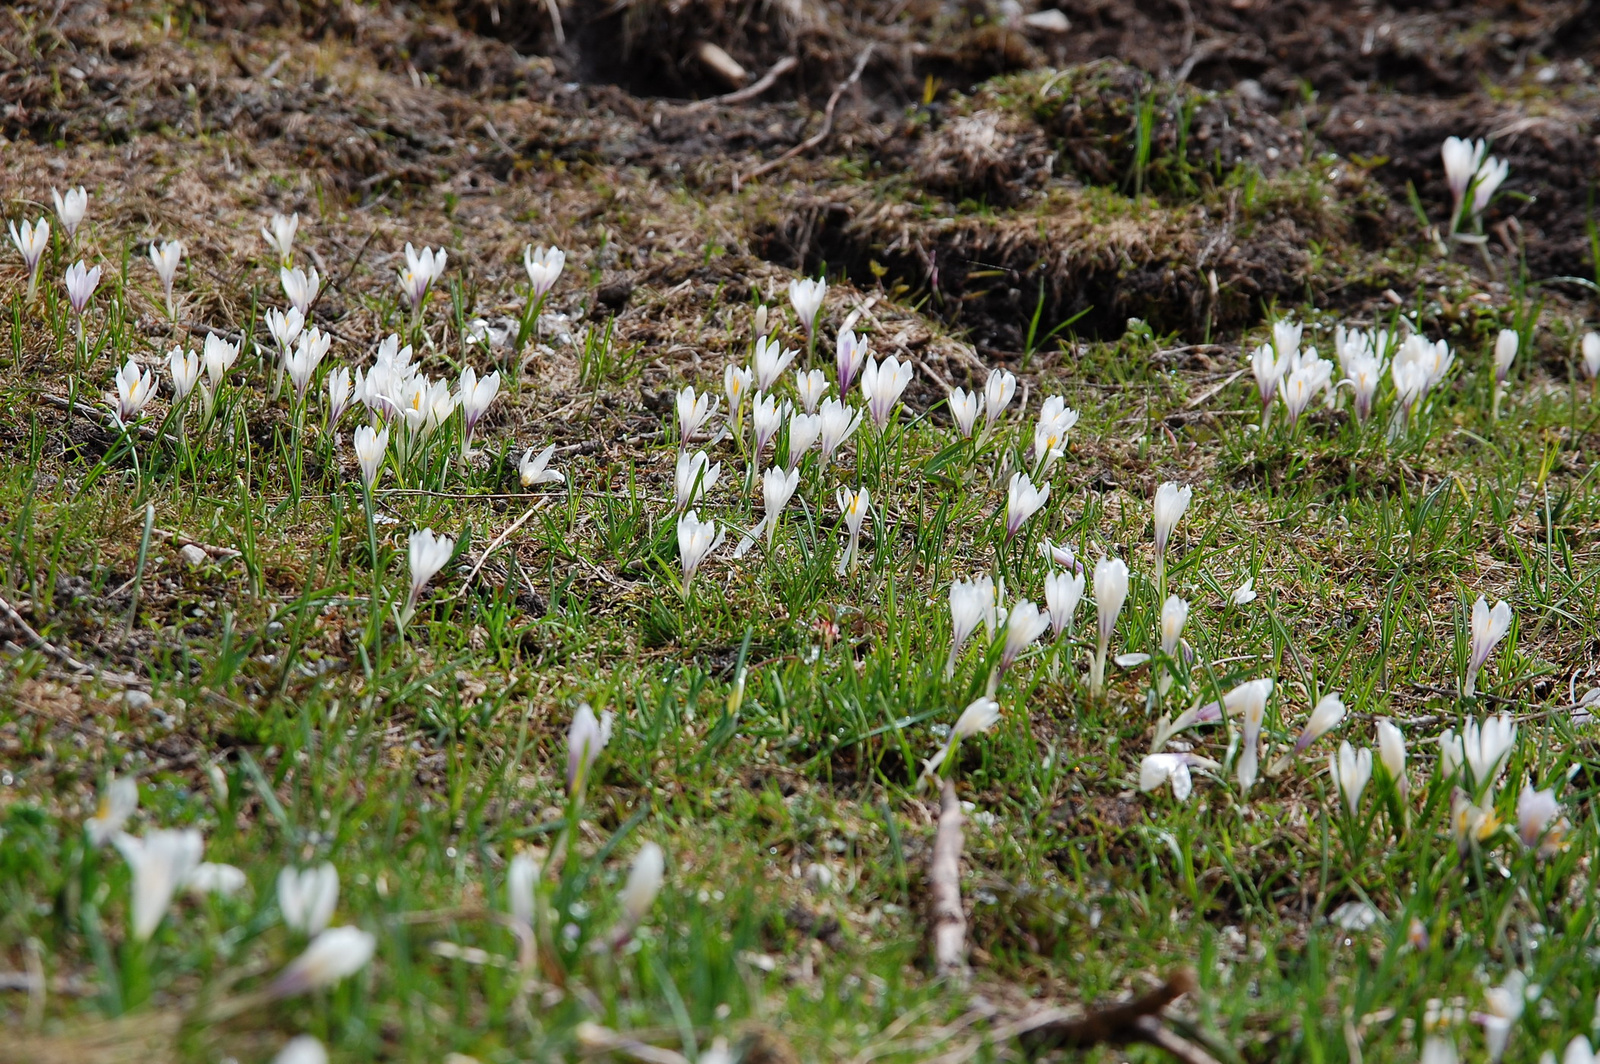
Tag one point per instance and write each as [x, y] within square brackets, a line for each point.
[975, 156]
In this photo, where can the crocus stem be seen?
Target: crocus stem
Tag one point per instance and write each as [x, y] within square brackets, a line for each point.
[1097, 671]
[994, 681]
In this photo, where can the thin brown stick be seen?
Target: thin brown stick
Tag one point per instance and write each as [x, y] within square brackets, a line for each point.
[179, 540]
[1138, 1020]
[494, 546]
[821, 134]
[947, 923]
[749, 92]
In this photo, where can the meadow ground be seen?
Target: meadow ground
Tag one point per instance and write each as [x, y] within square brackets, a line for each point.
[201, 604]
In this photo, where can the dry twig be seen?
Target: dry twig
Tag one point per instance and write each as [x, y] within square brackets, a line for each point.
[947, 922]
[821, 134]
[749, 92]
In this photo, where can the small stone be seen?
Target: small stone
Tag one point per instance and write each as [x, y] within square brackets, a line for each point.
[137, 700]
[1050, 20]
[193, 554]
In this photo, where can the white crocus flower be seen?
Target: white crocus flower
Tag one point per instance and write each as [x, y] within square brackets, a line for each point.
[1251, 705]
[964, 410]
[806, 296]
[284, 328]
[80, 284]
[1505, 352]
[839, 423]
[1269, 368]
[1023, 500]
[280, 237]
[300, 288]
[1351, 769]
[1490, 176]
[1110, 592]
[161, 862]
[803, 432]
[184, 368]
[1591, 355]
[1392, 755]
[882, 383]
[761, 324]
[997, 393]
[1174, 615]
[302, 1049]
[1172, 500]
[811, 385]
[1325, 716]
[1062, 593]
[307, 897]
[1286, 333]
[854, 506]
[337, 385]
[522, 878]
[766, 418]
[1060, 554]
[117, 803]
[1481, 748]
[474, 397]
[427, 553]
[849, 358]
[1462, 158]
[777, 488]
[588, 736]
[223, 880]
[544, 267]
[694, 410]
[736, 385]
[1025, 623]
[30, 242]
[1502, 1008]
[1309, 379]
[1488, 628]
[135, 387]
[644, 883]
[970, 602]
[335, 954]
[1364, 375]
[370, 446]
[770, 362]
[303, 361]
[694, 476]
[70, 208]
[166, 258]
[696, 540]
[977, 718]
[1172, 769]
[1056, 420]
[535, 468]
[1244, 594]
[1537, 818]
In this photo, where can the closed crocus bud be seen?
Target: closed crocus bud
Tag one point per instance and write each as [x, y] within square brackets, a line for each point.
[1438, 1049]
[839, 423]
[1023, 500]
[279, 236]
[223, 880]
[803, 432]
[1171, 501]
[1268, 369]
[166, 258]
[998, 391]
[1392, 754]
[300, 288]
[370, 446]
[302, 1049]
[1488, 628]
[1462, 158]
[117, 803]
[588, 736]
[70, 208]
[1591, 355]
[964, 410]
[806, 297]
[474, 398]
[1174, 614]
[1505, 350]
[853, 507]
[644, 882]
[849, 359]
[30, 242]
[1062, 593]
[1578, 1052]
[696, 540]
[1286, 333]
[978, 717]
[521, 879]
[1252, 709]
[736, 385]
[335, 954]
[1351, 769]
[777, 488]
[766, 418]
[693, 412]
[219, 356]
[970, 600]
[1325, 716]
[882, 383]
[162, 861]
[307, 897]
[427, 554]
[337, 385]
[1536, 816]
[1110, 592]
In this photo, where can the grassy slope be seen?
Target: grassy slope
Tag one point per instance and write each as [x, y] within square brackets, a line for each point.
[288, 729]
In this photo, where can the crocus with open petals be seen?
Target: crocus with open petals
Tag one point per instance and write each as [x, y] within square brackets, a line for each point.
[1023, 500]
[1025, 623]
[803, 432]
[1481, 748]
[300, 288]
[161, 862]
[117, 803]
[335, 954]
[370, 446]
[977, 718]
[736, 381]
[184, 368]
[80, 284]
[544, 267]
[535, 468]
[694, 410]
[1537, 813]
[70, 208]
[770, 362]
[1489, 626]
[694, 475]
[997, 393]
[811, 385]
[854, 506]
[883, 383]
[280, 237]
[1172, 769]
[839, 423]
[135, 387]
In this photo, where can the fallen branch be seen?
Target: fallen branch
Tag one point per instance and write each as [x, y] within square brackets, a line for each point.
[1138, 1020]
[821, 134]
[947, 924]
[179, 540]
[749, 92]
